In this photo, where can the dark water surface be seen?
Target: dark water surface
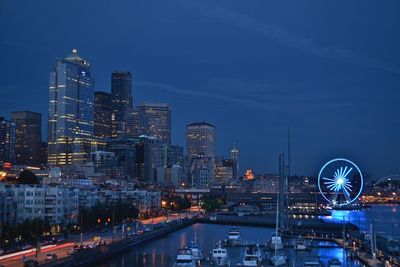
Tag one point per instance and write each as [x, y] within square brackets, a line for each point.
[385, 218]
[162, 252]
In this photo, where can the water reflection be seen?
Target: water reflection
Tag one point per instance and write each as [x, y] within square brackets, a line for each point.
[162, 252]
[384, 217]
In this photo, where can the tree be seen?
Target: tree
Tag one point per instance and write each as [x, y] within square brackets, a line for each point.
[212, 204]
[27, 177]
[101, 213]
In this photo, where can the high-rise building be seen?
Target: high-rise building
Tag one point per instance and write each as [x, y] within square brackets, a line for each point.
[224, 171]
[235, 162]
[200, 139]
[102, 114]
[152, 120]
[28, 137]
[7, 140]
[121, 94]
[200, 145]
[71, 111]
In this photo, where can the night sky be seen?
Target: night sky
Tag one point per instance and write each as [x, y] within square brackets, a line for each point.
[329, 70]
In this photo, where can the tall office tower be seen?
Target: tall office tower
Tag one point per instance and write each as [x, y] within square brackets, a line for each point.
[7, 140]
[121, 94]
[200, 139]
[102, 114]
[28, 137]
[235, 162]
[71, 110]
[153, 120]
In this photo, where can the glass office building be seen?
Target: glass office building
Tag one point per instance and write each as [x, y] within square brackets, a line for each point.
[71, 109]
[121, 93]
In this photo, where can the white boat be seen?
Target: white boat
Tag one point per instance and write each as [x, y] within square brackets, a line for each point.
[196, 250]
[278, 260]
[252, 256]
[233, 237]
[219, 256]
[185, 258]
[276, 241]
[334, 263]
[300, 244]
[313, 262]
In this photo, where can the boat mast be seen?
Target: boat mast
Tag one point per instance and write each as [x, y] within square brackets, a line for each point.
[277, 221]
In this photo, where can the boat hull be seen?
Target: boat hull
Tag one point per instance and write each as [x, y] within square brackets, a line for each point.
[278, 260]
[219, 262]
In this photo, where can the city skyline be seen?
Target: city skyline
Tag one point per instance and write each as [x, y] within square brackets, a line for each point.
[327, 87]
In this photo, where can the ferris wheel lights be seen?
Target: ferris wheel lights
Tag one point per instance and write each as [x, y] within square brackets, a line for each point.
[340, 178]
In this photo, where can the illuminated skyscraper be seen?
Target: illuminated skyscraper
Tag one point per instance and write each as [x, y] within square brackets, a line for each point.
[121, 93]
[235, 162]
[28, 137]
[200, 145]
[7, 140]
[200, 139]
[102, 114]
[71, 110]
[152, 120]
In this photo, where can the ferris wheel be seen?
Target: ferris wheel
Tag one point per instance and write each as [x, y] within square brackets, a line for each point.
[340, 182]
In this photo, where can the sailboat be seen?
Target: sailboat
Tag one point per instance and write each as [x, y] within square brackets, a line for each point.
[196, 250]
[277, 260]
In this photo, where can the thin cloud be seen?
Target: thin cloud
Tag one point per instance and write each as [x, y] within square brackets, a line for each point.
[227, 98]
[289, 39]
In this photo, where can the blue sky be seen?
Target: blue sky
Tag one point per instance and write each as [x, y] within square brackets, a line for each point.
[328, 70]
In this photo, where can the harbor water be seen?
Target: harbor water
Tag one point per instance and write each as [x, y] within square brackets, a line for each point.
[385, 219]
[162, 252]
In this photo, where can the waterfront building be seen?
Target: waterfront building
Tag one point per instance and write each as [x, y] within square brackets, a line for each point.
[152, 120]
[55, 205]
[266, 183]
[71, 111]
[28, 137]
[102, 114]
[200, 140]
[7, 141]
[122, 101]
[60, 204]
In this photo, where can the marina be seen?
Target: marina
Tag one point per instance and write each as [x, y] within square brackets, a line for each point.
[163, 252]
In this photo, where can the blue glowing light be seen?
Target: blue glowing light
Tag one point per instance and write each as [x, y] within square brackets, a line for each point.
[340, 182]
